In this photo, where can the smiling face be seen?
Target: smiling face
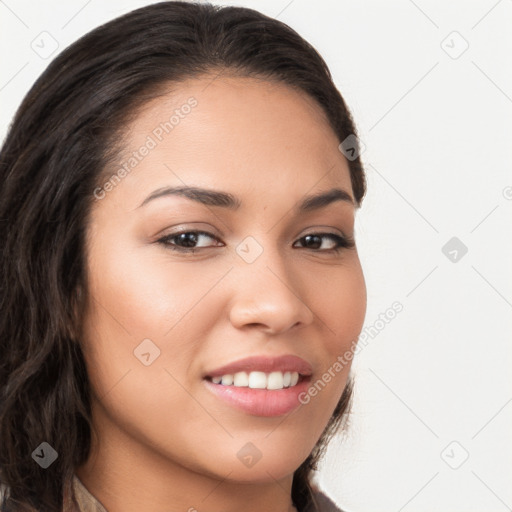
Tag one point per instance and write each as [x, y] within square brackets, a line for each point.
[160, 320]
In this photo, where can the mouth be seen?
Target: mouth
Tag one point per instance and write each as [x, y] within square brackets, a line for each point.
[263, 401]
[261, 386]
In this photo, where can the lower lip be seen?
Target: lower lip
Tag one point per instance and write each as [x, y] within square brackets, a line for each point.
[261, 402]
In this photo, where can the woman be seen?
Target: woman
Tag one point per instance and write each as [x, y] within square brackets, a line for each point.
[181, 290]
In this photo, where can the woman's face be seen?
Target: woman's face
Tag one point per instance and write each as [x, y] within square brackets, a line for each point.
[160, 322]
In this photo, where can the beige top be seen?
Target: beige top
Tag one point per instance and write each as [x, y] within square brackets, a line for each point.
[85, 501]
[88, 503]
[79, 499]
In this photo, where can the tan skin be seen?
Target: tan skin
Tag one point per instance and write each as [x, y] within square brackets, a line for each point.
[166, 443]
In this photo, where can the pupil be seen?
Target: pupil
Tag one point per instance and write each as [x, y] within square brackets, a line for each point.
[312, 240]
[189, 238]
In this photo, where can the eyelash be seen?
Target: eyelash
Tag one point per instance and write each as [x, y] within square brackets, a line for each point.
[343, 242]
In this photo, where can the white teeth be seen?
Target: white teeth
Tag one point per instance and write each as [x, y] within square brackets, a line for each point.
[259, 380]
[227, 380]
[275, 380]
[241, 379]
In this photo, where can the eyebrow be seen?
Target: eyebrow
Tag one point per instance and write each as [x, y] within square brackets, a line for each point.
[210, 197]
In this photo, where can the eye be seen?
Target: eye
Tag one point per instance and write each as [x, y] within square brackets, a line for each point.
[186, 241]
[187, 238]
[337, 242]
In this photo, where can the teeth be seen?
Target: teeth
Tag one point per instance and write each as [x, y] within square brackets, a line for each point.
[241, 379]
[275, 380]
[227, 380]
[259, 380]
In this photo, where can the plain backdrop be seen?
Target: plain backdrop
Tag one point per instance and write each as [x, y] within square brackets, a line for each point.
[430, 87]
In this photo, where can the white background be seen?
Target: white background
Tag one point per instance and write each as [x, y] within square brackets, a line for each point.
[434, 385]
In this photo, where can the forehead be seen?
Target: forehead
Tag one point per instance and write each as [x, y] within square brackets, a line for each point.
[234, 133]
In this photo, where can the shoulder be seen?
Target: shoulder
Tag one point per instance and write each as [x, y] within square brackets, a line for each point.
[321, 502]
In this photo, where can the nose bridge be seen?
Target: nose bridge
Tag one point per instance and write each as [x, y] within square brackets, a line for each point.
[265, 291]
[260, 260]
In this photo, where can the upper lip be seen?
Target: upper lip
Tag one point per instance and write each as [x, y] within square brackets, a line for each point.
[267, 364]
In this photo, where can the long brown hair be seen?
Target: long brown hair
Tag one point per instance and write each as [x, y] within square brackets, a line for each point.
[66, 132]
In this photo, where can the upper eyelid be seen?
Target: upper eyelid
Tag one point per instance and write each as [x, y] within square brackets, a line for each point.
[323, 232]
[314, 230]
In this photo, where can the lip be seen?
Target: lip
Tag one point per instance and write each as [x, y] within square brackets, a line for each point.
[261, 402]
[267, 364]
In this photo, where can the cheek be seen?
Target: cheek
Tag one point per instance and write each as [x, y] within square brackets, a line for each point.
[143, 308]
[341, 308]
[145, 291]
[137, 310]
[338, 300]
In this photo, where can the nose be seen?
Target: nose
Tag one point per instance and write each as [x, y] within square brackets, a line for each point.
[268, 296]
